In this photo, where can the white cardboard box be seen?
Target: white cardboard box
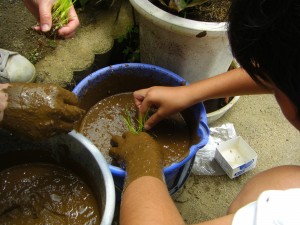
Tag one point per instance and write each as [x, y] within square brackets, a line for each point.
[235, 156]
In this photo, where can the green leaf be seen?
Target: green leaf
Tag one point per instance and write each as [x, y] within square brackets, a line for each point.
[140, 122]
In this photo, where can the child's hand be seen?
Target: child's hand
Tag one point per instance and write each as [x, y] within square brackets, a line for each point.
[41, 10]
[141, 154]
[40, 110]
[167, 100]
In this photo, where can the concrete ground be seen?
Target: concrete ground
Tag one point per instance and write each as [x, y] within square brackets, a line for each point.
[257, 119]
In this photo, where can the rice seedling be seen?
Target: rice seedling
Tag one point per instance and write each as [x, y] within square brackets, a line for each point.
[60, 13]
[140, 122]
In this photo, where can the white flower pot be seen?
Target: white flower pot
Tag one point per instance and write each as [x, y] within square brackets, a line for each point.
[193, 49]
[217, 114]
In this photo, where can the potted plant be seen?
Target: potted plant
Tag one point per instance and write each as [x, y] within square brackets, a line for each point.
[193, 49]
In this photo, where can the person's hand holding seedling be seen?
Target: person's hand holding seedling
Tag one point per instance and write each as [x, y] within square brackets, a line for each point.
[38, 110]
[57, 15]
[167, 101]
[140, 122]
[141, 154]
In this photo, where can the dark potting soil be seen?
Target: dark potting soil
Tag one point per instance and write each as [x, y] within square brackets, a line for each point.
[215, 104]
[211, 11]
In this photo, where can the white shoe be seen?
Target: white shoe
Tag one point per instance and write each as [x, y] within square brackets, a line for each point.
[15, 68]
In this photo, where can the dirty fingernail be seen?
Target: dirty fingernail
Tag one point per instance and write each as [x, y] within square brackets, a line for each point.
[45, 27]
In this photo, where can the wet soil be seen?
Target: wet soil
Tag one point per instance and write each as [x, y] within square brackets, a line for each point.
[39, 193]
[106, 119]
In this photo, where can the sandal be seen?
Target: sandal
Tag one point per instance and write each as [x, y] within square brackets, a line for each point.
[15, 68]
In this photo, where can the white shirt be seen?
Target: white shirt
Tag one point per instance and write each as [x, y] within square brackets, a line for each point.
[274, 207]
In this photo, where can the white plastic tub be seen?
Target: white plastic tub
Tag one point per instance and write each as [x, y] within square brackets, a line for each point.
[195, 50]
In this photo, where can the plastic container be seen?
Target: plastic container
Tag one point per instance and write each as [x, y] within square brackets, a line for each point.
[110, 80]
[236, 157]
[72, 151]
[195, 50]
[217, 114]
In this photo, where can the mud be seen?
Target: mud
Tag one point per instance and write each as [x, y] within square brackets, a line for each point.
[106, 118]
[39, 193]
[52, 110]
[141, 154]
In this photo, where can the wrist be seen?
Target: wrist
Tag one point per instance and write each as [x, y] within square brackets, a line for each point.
[144, 168]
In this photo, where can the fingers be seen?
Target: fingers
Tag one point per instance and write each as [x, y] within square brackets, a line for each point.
[116, 143]
[68, 31]
[72, 113]
[67, 106]
[127, 134]
[67, 36]
[45, 15]
[68, 97]
[113, 152]
[153, 120]
[63, 127]
[138, 97]
[142, 100]
[117, 140]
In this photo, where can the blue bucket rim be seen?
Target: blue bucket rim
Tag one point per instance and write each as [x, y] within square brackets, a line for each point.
[203, 128]
[117, 67]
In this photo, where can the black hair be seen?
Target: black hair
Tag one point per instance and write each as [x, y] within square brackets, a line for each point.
[265, 39]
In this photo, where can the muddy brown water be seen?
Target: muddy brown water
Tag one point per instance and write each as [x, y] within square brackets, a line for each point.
[40, 193]
[106, 118]
[126, 82]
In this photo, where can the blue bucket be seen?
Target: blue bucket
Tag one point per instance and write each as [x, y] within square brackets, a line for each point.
[111, 80]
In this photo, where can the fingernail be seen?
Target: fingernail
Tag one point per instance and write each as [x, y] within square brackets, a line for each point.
[45, 27]
[146, 127]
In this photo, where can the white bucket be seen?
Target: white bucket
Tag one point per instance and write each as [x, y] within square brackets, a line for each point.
[192, 49]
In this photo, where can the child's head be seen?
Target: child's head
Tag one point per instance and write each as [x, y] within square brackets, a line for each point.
[265, 39]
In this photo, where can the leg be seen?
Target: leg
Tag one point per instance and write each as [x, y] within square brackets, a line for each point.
[278, 178]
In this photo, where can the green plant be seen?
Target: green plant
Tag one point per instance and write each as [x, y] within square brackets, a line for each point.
[140, 122]
[129, 43]
[60, 13]
[180, 5]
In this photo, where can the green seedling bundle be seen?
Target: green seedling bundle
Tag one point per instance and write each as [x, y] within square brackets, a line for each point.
[60, 13]
[140, 122]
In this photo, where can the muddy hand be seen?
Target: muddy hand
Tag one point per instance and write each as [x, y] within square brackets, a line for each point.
[40, 110]
[3, 99]
[141, 154]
